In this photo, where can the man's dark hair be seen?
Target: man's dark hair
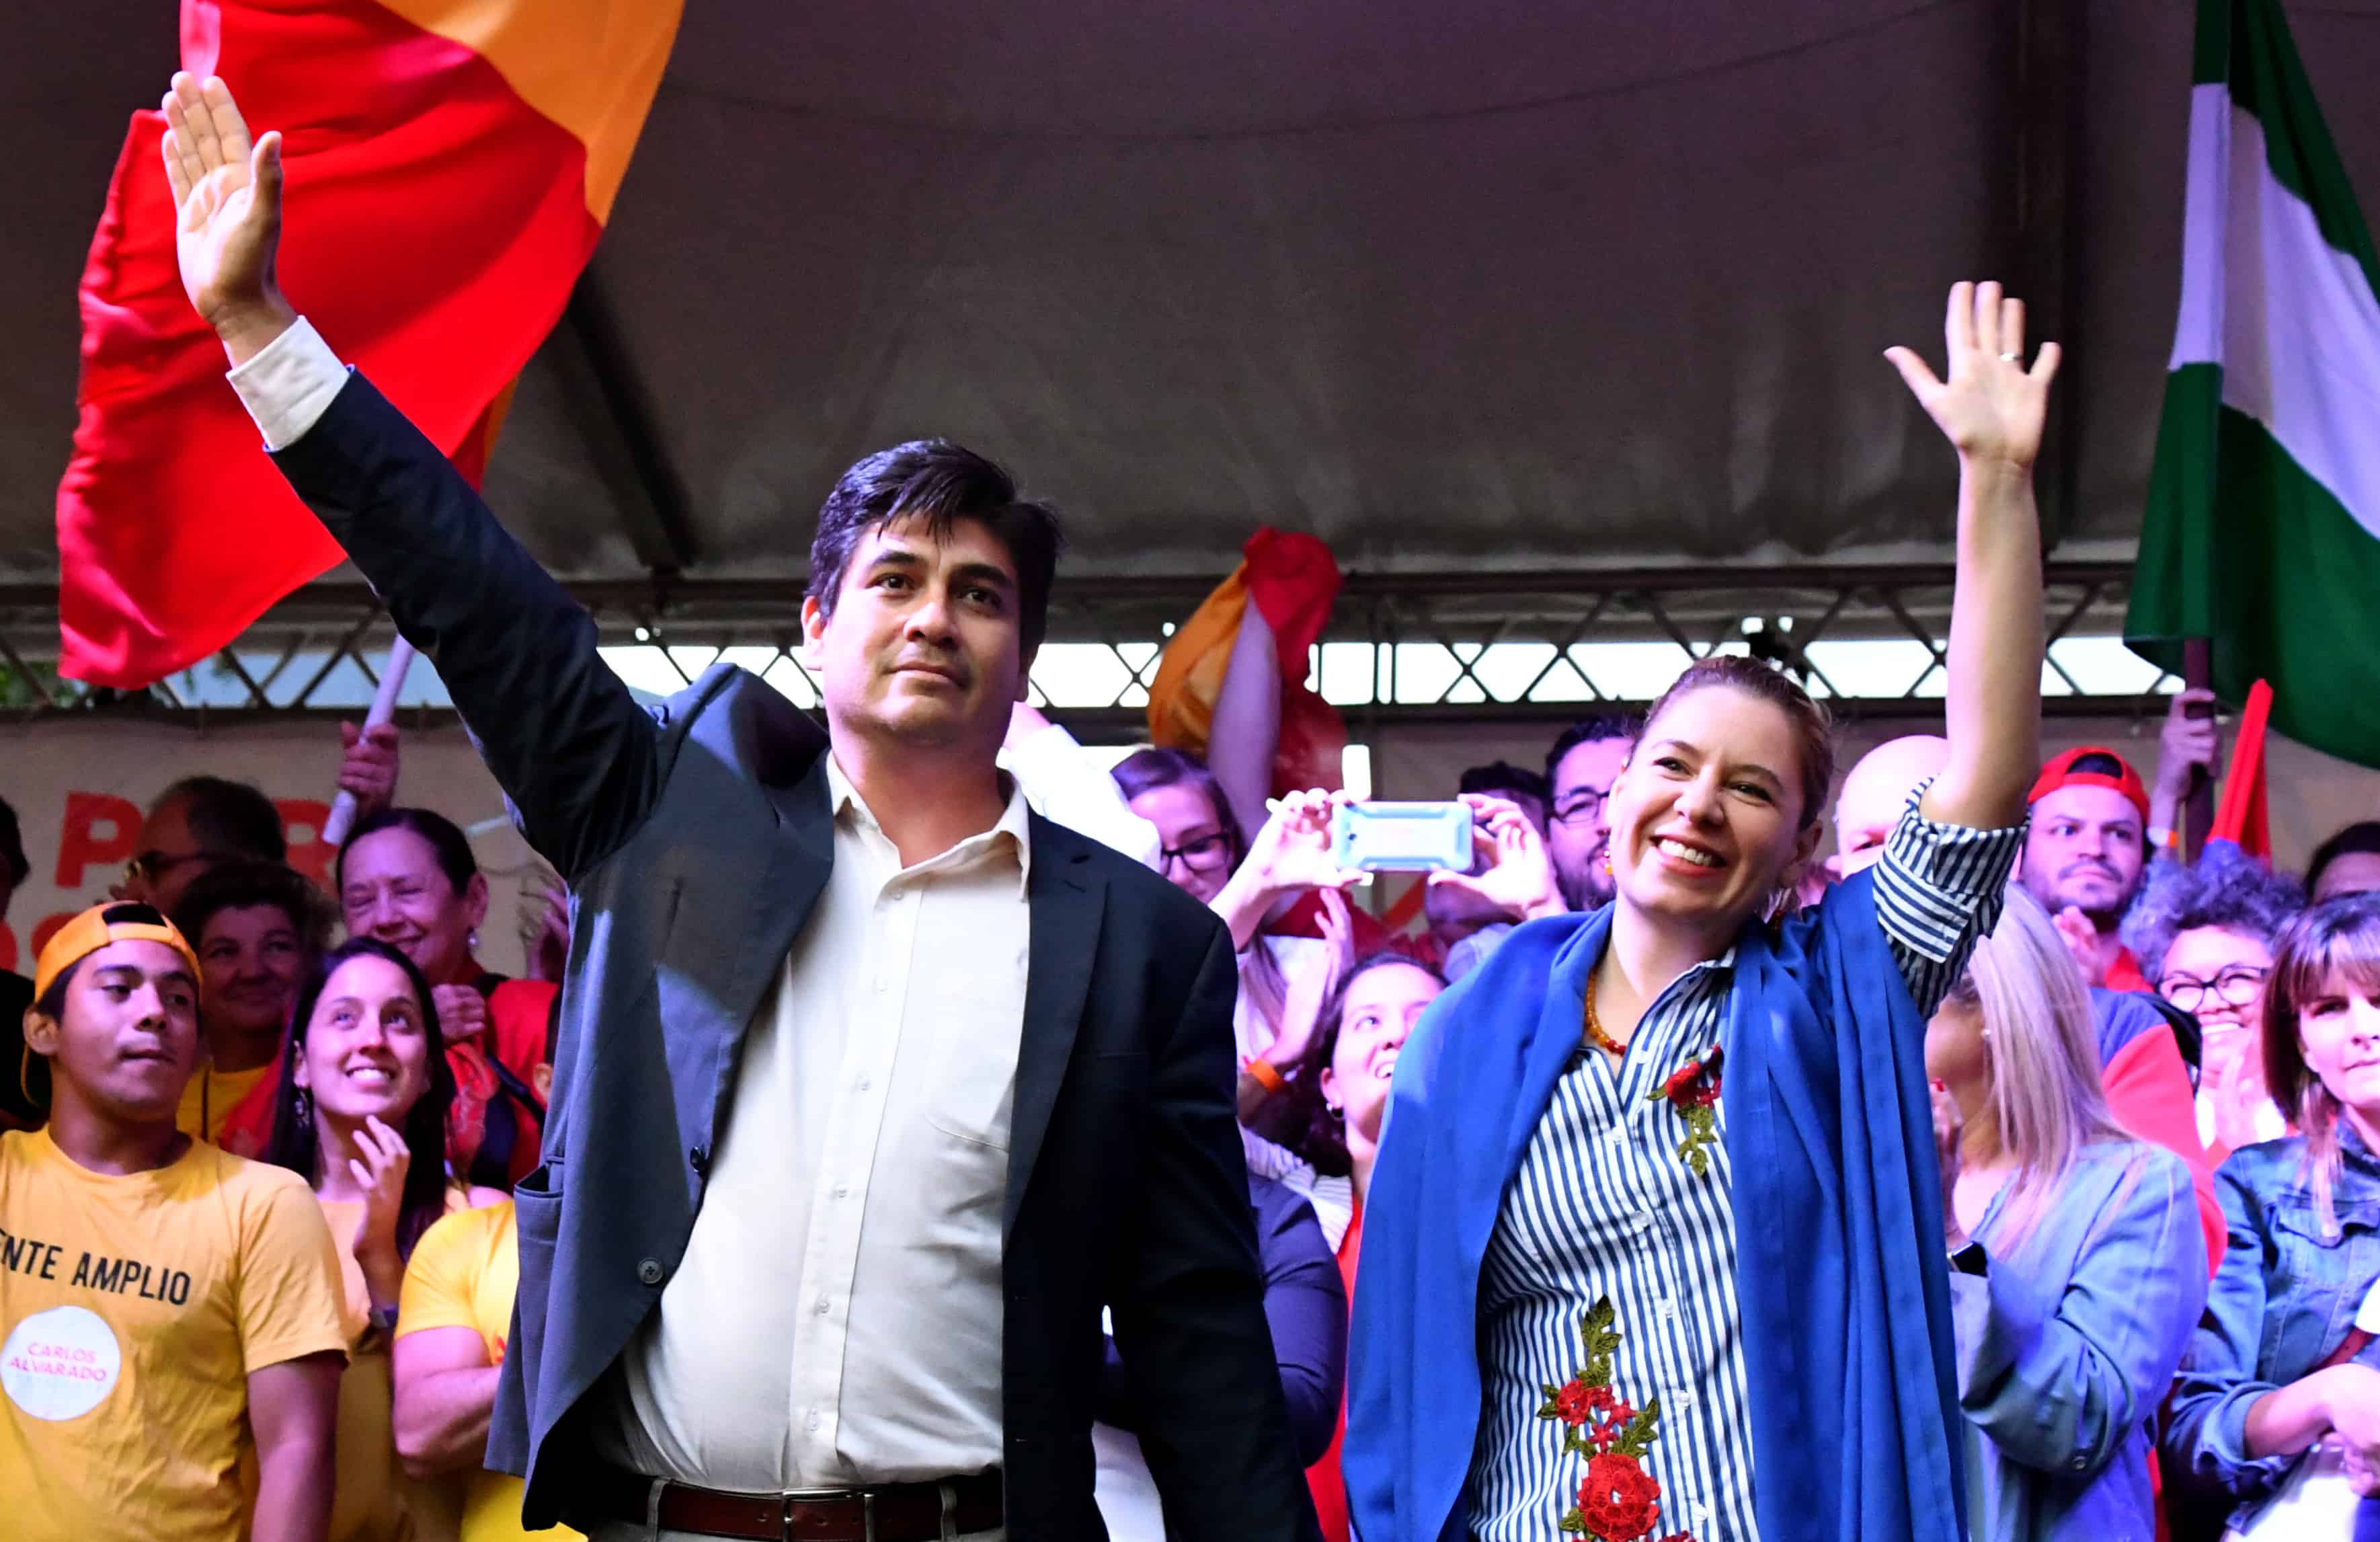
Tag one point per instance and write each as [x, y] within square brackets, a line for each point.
[228, 818]
[940, 483]
[12, 847]
[1602, 725]
[1501, 776]
[2361, 839]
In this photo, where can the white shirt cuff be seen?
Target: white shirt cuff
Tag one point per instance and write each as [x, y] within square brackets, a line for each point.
[287, 385]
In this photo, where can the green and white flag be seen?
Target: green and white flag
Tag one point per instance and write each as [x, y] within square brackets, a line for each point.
[2263, 528]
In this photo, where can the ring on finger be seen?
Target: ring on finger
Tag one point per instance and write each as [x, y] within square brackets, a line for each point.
[2013, 358]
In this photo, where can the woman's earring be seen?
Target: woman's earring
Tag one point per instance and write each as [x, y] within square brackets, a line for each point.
[1607, 861]
[305, 1107]
[472, 942]
[1336, 1111]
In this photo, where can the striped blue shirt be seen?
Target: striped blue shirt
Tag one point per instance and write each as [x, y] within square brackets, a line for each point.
[1603, 1206]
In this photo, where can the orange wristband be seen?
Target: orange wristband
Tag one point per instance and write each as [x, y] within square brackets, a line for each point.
[1266, 1077]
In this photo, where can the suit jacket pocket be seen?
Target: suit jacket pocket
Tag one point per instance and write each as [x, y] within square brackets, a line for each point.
[537, 1221]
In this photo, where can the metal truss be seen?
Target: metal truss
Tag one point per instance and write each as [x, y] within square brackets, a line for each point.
[1445, 648]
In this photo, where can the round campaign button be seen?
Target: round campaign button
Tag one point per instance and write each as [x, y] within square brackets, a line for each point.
[60, 1364]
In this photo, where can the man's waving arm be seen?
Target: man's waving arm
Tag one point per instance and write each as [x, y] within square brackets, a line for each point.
[572, 749]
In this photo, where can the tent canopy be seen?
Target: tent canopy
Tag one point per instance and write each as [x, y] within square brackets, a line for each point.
[1488, 285]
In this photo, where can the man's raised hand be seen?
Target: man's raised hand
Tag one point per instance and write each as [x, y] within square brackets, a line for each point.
[227, 215]
[1990, 406]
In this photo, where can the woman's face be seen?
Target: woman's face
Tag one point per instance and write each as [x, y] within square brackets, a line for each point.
[2338, 1033]
[1706, 818]
[1197, 849]
[252, 962]
[367, 1049]
[1383, 1003]
[393, 890]
[1955, 1052]
[2217, 976]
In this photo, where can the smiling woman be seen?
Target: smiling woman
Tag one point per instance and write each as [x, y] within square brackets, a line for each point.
[1664, 1056]
[362, 1116]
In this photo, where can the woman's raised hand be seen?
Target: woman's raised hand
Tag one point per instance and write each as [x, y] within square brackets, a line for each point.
[1991, 407]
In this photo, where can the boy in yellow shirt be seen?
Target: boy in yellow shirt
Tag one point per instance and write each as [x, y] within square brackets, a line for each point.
[165, 1308]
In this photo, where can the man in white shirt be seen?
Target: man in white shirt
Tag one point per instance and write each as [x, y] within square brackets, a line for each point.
[873, 1087]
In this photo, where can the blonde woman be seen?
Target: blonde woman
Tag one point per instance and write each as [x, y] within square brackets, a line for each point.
[2078, 1266]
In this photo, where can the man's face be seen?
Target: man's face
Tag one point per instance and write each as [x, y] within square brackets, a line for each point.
[1578, 825]
[924, 645]
[170, 858]
[127, 1037]
[1874, 795]
[2085, 850]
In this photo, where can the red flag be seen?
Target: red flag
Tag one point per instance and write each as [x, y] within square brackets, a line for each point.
[1292, 580]
[448, 166]
[2239, 819]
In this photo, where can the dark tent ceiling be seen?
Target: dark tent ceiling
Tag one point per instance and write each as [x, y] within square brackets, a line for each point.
[1488, 285]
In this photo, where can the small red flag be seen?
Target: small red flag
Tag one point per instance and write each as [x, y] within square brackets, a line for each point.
[2240, 817]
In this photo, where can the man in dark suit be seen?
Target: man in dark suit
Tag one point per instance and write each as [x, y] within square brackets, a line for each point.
[874, 1088]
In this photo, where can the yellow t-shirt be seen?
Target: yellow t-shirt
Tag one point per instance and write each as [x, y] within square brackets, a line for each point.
[374, 1501]
[465, 1272]
[211, 1096]
[132, 1311]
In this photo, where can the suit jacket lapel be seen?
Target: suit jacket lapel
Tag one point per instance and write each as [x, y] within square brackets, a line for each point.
[1067, 897]
[801, 857]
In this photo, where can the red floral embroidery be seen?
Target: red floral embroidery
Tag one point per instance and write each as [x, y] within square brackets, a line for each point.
[1610, 1429]
[1618, 1499]
[1575, 1402]
[1693, 1088]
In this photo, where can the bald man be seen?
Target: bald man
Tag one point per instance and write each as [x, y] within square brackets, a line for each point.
[1875, 794]
[2140, 1062]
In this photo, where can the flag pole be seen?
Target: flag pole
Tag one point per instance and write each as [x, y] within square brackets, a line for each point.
[383, 710]
[2198, 810]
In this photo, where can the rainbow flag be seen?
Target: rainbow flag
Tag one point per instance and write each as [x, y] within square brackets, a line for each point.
[449, 165]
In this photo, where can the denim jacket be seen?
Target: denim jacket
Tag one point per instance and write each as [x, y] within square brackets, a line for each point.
[2068, 1344]
[2282, 1301]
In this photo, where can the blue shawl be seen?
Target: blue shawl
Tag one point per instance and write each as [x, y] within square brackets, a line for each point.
[1840, 1268]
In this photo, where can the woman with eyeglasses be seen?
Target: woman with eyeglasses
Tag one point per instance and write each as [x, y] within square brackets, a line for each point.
[2203, 935]
[1282, 978]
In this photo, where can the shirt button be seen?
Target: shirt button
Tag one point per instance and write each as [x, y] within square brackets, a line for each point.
[1683, 1400]
[1641, 1222]
[865, 1084]
[840, 1192]
[649, 1271]
[822, 1304]
[811, 1423]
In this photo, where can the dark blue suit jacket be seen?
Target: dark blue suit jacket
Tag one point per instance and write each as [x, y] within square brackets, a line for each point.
[696, 839]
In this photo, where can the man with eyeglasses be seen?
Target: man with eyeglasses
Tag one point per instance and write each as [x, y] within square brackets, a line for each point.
[1579, 772]
[194, 824]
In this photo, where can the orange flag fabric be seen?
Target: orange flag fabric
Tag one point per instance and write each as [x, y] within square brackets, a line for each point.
[1294, 581]
[449, 165]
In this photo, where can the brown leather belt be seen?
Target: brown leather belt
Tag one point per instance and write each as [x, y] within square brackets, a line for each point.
[894, 1513]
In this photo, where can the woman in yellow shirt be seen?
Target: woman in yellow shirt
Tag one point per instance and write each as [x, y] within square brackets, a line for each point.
[361, 1115]
[258, 928]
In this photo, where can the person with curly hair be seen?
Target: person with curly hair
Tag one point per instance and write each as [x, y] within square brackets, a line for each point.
[2203, 935]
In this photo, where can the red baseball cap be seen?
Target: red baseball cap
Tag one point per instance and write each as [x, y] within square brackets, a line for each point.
[2060, 772]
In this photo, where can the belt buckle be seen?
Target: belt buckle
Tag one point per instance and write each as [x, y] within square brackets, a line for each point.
[788, 1498]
